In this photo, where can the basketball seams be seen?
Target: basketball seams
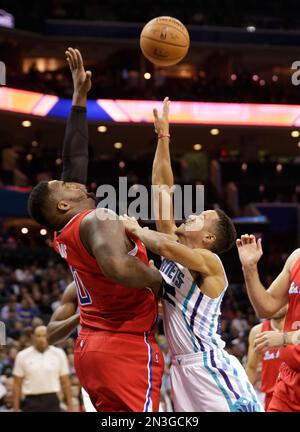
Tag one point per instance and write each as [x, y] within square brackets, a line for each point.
[164, 42]
[184, 34]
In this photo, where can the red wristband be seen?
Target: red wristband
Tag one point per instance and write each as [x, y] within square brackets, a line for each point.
[163, 136]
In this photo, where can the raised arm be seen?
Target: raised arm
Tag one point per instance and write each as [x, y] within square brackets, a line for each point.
[106, 240]
[162, 174]
[65, 319]
[75, 147]
[265, 302]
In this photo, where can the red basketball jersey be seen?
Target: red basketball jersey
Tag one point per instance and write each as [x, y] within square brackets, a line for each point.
[270, 363]
[104, 304]
[291, 354]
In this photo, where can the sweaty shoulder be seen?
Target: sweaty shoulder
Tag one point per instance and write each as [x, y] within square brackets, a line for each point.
[100, 219]
[292, 259]
[212, 261]
[255, 331]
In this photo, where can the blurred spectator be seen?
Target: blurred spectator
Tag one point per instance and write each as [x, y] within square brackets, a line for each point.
[40, 371]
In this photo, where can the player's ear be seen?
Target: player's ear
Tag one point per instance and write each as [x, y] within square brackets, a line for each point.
[63, 206]
[209, 239]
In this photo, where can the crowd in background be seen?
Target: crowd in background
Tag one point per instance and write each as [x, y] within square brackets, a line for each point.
[120, 77]
[269, 14]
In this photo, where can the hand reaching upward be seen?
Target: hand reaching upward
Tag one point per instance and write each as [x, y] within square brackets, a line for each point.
[161, 124]
[81, 78]
[250, 250]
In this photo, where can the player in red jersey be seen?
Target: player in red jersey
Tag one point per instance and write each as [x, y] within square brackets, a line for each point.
[270, 359]
[116, 357]
[284, 289]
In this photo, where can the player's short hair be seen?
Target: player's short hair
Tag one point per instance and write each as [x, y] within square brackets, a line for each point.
[225, 233]
[38, 204]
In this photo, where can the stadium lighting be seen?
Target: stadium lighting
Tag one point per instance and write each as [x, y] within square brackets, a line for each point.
[295, 134]
[43, 231]
[122, 164]
[147, 75]
[214, 131]
[26, 123]
[102, 129]
[118, 145]
[24, 230]
[197, 147]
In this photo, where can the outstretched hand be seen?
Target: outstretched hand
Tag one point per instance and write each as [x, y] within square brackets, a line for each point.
[250, 250]
[161, 124]
[268, 340]
[81, 78]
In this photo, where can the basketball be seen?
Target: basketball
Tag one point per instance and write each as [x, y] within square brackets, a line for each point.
[164, 41]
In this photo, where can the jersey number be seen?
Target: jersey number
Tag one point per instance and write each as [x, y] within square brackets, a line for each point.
[82, 292]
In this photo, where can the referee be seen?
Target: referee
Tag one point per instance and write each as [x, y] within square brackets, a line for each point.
[39, 373]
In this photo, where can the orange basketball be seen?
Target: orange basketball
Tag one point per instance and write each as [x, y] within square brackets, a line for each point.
[164, 41]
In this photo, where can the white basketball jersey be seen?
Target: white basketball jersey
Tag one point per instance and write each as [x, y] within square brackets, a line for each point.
[191, 318]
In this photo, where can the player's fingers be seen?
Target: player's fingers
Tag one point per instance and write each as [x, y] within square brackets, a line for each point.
[166, 106]
[79, 57]
[252, 238]
[74, 57]
[259, 347]
[155, 114]
[259, 338]
[88, 75]
[151, 263]
[259, 245]
[70, 60]
[244, 239]
[239, 243]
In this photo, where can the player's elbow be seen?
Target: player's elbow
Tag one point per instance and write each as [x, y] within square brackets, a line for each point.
[264, 312]
[52, 334]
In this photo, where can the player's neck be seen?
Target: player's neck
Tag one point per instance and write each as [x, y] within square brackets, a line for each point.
[278, 324]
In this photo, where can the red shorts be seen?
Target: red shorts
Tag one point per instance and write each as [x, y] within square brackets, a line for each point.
[120, 372]
[286, 395]
[268, 399]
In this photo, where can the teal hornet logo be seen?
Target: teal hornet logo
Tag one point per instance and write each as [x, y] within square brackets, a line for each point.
[2, 73]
